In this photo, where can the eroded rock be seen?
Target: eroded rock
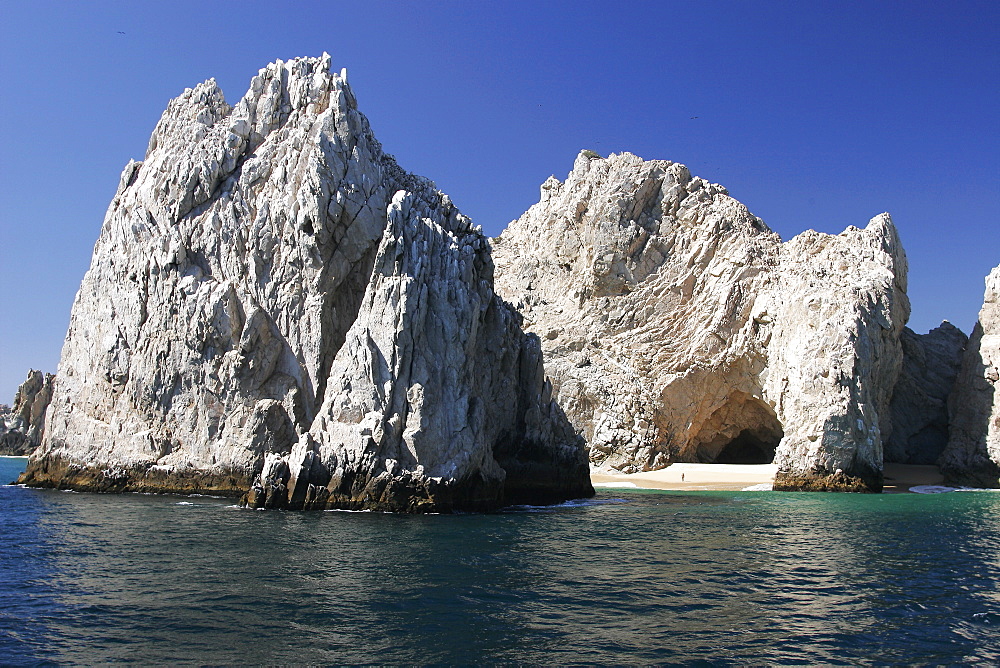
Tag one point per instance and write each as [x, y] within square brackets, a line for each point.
[678, 327]
[920, 399]
[276, 309]
[972, 456]
[23, 425]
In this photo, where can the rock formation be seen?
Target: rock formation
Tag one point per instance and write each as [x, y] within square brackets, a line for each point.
[275, 309]
[22, 427]
[973, 453]
[920, 399]
[677, 327]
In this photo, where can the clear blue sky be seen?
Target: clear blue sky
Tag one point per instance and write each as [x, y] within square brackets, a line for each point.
[814, 114]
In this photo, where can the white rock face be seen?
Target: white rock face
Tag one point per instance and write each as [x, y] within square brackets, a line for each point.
[920, 399]
[677, 327]
[22, 427]
[973, 453]
[275, 307]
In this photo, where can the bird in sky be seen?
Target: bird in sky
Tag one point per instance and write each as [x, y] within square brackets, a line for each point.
[120, 32]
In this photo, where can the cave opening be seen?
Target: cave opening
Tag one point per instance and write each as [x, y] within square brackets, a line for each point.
[743, 430]
[749, 448]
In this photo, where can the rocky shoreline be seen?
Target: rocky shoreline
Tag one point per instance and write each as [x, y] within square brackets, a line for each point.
[276, 311]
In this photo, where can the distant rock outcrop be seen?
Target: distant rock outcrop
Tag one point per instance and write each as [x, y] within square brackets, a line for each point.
[973, 453]
[275, 309]
[677, 327]
[920, 399]
[22, 427]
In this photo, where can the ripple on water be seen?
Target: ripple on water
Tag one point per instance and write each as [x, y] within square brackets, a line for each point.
[628, 577]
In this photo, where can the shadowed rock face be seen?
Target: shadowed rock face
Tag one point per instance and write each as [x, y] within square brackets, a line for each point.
[920, 399]
[675, 323]
[276, 310]
[22, 427]
[973, 453]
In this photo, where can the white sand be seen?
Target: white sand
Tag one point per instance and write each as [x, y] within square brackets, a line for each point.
[695, 477]
[898, 477]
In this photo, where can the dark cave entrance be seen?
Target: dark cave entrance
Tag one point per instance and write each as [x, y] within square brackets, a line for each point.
[748, 448]
[743, 430]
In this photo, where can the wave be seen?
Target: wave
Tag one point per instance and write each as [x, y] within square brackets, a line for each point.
[631, 485]
[762, 487]
[574, 503]
[942, 489]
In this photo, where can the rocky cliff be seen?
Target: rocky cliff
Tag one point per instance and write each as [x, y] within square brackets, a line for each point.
[920, 425]
[276, 309]
[678, 327]
[972, 456]
[22, 426]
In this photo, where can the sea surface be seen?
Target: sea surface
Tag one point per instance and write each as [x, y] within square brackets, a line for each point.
[630, 577]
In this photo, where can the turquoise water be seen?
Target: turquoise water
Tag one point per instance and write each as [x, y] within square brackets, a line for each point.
[628, 577]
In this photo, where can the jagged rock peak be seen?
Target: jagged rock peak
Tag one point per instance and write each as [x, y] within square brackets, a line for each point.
[276, 309]
[22, 426]
[972, 456]
[678, 327]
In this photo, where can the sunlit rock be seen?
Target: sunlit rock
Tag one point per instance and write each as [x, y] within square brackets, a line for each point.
[22, 426]
[973, 453]
[276, 309]
[678, 327]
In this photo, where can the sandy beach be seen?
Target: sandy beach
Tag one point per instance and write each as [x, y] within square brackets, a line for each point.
[691, 477]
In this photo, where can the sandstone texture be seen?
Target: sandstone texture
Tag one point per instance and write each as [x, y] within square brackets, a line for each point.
[972, 456]
[920, 399]
[677, 327]
[22, 426]
[276, 310]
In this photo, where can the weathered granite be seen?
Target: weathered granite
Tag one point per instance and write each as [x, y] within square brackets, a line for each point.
[972, 456]
[834, 355]
[919, 404]
[276, 310]
[22, 426]
[677, 327]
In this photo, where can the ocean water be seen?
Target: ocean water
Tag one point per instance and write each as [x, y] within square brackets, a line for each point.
[628, 577]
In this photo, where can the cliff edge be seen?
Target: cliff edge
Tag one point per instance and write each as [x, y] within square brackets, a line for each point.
[678, 327]
[276, 310]
[23, 425]
[972, 456]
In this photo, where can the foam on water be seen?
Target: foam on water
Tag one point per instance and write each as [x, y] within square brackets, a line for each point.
[620, 485]
[762, 487]
[575, 503]
[943, 489]
[346, 510]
